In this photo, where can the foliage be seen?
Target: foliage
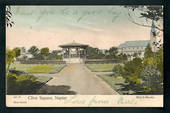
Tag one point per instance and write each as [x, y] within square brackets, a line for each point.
[131, 66]
[94, 53]
[154, 13]
[117, 83]
[159, 58]
[58, 57]
[21, 84]
[54, 56]
[122, 56]
[33, 50]
[38, 56]
[155, 59]
[151, 80]
[10, 55]
[118, 70]
[44, 51]
[148, 52]
[17, 52]
[8, 17]
[111, 53]
[24, 84]
[150, 12]
[144, 75]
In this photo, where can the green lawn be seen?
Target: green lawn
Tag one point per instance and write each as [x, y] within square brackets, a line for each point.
[38, 68]
[117, 83]
[100, 67]
[43, 79]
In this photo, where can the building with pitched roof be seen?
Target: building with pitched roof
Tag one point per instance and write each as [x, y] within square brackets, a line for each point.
[137, 47]
[129, 48]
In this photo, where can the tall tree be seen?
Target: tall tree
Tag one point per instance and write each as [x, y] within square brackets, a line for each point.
[111, 53]
[45, 52]
[148, 52]
[17, 52]
[34, 50]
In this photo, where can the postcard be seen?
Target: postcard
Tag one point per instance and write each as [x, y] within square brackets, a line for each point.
[84, 56]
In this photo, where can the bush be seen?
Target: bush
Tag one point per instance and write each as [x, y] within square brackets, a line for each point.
[151, 80]
[21, 84]
[118, 70]
[132, 69]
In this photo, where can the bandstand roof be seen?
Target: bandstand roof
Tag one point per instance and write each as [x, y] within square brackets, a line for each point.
[73, 44]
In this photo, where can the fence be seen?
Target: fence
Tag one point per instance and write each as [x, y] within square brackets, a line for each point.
[87, 61]
[103, 61]
[41, 61]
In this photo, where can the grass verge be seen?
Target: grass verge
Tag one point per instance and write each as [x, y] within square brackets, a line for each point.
[117, 83]
[100, 67]
[38, 68]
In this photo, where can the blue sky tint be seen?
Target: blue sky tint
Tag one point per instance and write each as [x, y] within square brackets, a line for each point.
[50, 26]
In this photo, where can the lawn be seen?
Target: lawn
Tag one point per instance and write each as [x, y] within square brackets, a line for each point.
[117, 83]
[100, 67]
[43, 79]
[38, 68]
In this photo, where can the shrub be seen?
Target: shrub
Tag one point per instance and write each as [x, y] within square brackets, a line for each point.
[151, 80]
[118, 70]
[21, 84]
[131, 69]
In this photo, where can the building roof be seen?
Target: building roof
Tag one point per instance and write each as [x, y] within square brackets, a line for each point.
[73, 44]
[137, 43]
[131, 50]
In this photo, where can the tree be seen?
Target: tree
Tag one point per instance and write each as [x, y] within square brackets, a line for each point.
[54, 55]
[10, 56]
[23, 50]
[94, 53]
[159, 59]
[17, 52]
[132, 70]
[118, 70]
[122, 56]
[8, 16]
[148, 52]
[151, 80]
[154, 59]
[34, 50]
[111, 53]
[153, 13]
[44, 52]
[38, 56]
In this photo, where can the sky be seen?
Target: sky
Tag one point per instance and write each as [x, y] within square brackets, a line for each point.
[50, 26]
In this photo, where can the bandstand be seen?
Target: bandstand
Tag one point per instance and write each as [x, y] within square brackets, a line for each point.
[74, 52]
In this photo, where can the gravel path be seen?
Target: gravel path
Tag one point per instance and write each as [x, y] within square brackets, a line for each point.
[77, 79]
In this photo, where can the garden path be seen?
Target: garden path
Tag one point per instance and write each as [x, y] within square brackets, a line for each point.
[79, 79]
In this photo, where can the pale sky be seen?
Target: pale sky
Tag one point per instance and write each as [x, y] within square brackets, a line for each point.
[51, 26]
